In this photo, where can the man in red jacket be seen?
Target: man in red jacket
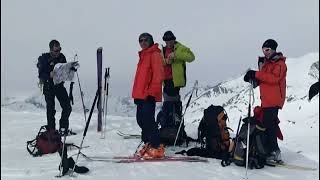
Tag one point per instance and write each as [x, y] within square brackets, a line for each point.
[147, 90]
[271, 79]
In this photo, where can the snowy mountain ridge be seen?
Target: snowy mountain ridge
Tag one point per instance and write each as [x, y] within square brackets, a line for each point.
[229, 93]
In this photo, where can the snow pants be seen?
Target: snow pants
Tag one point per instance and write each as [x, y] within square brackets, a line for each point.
[51, 91]
[270, 117]
[146, 121]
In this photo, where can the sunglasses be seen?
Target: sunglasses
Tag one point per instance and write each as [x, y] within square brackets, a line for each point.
[143, 40]
[266, 49]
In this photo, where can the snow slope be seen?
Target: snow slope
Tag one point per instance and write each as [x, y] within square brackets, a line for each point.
[299, 123]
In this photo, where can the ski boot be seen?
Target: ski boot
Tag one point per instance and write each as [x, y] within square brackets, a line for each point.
[154, 153]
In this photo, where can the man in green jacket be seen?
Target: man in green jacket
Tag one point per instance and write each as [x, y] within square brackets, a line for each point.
[175, 57]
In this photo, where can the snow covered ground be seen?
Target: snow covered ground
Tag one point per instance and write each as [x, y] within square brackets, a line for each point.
[299, 124]
[16, 163]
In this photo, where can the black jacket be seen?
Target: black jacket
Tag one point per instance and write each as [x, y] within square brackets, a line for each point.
[46, 64]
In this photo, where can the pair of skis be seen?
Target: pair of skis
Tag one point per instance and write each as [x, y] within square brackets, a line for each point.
[133, 159]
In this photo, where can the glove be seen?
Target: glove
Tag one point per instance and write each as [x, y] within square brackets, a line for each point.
[260, 62]
[255, 83]
[313, 90]
[75, 66]
[250, 75]
[73, 69]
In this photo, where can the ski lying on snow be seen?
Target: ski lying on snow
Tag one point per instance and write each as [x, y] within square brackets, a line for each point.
[129, 136]
[291, 166]
[71, 146]
[165, 159]
[132, 159]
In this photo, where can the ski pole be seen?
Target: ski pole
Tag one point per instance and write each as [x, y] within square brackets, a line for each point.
[182, 119]
[86, 129]
[81, 92]
[248, 132]
[62, 155]
[105, 101]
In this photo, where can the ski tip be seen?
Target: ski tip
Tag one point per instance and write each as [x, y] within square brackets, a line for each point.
[99, 49]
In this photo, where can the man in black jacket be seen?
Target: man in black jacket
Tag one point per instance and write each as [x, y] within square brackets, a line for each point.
[46, 63]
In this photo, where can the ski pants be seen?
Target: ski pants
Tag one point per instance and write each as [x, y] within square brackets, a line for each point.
[146, 121]
[270, 117]
[170, 90]
[172, 98]
[51, 91]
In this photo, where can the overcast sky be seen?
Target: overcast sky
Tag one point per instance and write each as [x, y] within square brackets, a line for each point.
[225, 36]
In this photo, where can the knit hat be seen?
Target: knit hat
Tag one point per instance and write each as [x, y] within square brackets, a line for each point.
[148, 37]
[270, 43]
[168, 36]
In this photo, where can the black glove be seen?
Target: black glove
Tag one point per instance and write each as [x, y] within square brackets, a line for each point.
[70, 93]
[73, 69]
[250, 75]
[260, 62]
[313, 90]
[255, 83]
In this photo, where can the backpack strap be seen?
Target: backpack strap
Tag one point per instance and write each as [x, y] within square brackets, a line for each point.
[31, 145]
[32, 149]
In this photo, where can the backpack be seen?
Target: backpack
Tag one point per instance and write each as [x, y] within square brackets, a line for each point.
[257, 149]
[213, 132]
[169, 119]
[46, 142]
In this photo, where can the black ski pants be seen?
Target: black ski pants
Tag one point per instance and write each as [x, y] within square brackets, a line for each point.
[169, 88]
[270, 117]
[172, 97]
[146, 121]
[51, 91]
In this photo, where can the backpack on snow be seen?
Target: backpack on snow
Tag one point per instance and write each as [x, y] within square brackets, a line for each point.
[213, 134]
[257, 141]
[169, 119]
[45, 142]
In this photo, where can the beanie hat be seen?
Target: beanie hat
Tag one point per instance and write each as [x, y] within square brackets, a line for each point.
[148, 37]
[270, 43]
[168, 36]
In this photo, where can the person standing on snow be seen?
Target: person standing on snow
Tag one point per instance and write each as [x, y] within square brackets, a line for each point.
[271, 78]
[46, 63]
[146, 92]
[175, 57]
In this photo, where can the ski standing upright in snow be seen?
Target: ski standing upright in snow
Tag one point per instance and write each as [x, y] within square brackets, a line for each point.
[99, 75]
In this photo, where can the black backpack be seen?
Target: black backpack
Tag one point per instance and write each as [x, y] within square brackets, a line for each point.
[257, 141]
[213, 134]
[45, 142]
[169, 119]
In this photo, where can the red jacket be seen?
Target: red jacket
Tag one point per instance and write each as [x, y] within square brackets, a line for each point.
[167, 68]
[272, 82]
[149, 74]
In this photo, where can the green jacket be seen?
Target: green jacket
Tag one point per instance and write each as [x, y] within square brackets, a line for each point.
[182, 54]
